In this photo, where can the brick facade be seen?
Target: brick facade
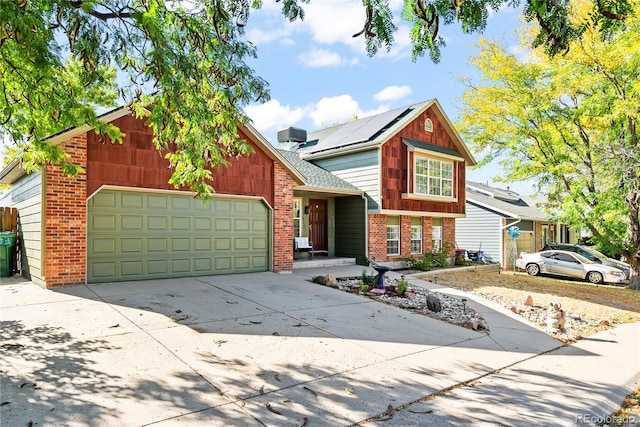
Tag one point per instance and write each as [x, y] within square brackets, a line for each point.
[282, 220]
[378, 237]
[66, 219]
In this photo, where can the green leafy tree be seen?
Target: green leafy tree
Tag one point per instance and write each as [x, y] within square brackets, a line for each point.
[62, 61]
[571, 124]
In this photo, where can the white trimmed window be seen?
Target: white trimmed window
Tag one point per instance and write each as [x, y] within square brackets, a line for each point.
[416, 235]
[393, 235]
[433, 177]
[297, 217]
[436, 235]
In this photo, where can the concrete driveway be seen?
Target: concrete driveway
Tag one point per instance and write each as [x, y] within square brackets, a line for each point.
[276, 350]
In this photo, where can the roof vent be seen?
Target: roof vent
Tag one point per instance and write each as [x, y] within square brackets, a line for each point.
[291, 137]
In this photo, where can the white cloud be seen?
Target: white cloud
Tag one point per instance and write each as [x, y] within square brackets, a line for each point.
[258, 36]
[273, 116]
[320, 58]
[340, 109]
[392, 93]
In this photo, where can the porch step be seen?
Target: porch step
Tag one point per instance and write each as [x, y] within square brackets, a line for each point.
[322, 262]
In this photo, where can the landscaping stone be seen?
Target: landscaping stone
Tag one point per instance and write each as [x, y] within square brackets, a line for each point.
[419, 300]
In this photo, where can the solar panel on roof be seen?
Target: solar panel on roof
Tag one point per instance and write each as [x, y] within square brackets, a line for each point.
[358, 131]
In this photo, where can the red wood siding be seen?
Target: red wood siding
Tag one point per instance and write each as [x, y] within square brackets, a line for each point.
[396, 168]
[136, 163]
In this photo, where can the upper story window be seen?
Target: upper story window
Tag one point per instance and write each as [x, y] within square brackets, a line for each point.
[434, 172]
[433, 177]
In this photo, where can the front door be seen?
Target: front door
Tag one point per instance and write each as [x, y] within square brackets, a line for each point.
[318, 224]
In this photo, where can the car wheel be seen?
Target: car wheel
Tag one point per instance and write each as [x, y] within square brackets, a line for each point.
[533, 269]
[594, 277]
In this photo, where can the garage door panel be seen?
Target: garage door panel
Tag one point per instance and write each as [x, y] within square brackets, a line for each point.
[103, 222]
[157, 245]
[259, 243]
[132, 200]
[157, 223]
[132, 269]
[131, 245]
[137, 235]
[157, 202]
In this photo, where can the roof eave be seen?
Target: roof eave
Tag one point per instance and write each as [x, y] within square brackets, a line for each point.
[12, 172]
[342, 191]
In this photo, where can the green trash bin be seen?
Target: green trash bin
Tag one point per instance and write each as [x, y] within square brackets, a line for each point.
[7, 244]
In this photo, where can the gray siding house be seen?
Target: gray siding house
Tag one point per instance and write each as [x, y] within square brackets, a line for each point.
[492, 211]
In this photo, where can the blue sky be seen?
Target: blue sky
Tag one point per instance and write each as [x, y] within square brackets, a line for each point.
[319, 75]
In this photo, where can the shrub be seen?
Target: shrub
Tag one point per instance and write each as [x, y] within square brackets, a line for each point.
[368, 279]
[430, 260]
[363, 288]
[402, 285]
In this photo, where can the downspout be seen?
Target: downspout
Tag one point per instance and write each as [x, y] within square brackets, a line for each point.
[366, 225]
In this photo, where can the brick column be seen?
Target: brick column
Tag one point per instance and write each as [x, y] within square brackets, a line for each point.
[378, 237]
[427, 234]
[405, 237]
[449, 234]
[66, 219]
[282, 219]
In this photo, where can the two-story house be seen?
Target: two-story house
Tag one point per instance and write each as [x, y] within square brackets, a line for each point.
[409, 162]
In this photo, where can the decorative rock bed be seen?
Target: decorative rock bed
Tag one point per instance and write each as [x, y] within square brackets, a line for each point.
[416, 299]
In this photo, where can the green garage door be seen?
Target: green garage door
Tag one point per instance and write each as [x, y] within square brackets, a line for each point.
[144, 235]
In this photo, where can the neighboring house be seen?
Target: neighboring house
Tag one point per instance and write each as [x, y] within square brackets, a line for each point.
[492, 211]
[409, 162]
[120, 220]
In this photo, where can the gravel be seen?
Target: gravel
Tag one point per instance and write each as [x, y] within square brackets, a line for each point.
[453, 310]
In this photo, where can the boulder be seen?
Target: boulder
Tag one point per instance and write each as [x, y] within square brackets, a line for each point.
[327, 280]
[434, 304]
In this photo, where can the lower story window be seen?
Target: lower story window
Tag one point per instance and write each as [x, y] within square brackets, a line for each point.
[416, 235]
[436, 235]
[393, 235]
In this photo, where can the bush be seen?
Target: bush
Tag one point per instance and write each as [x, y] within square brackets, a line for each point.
[402, 285]
[368, 279]
[430, 260]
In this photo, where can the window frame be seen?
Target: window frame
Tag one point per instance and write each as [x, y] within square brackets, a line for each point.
[395, 229]
[436, 247]
[297, 201]
[433, 176]
[416, 240]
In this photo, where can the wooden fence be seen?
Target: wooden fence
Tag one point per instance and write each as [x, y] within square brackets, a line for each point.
[9, 219]
[9, 222]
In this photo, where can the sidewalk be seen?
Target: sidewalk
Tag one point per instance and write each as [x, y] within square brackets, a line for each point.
[273, 349]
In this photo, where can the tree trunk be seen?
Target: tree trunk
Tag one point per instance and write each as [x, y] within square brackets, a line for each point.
[634, 282]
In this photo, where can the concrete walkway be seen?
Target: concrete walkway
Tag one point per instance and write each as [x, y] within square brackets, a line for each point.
[273, 349]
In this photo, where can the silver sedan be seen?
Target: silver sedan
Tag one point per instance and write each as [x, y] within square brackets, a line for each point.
[568, 264]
